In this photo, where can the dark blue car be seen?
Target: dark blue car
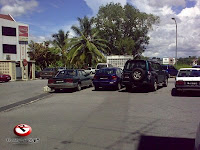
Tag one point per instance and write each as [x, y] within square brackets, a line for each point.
[172, 71]
[108, 78]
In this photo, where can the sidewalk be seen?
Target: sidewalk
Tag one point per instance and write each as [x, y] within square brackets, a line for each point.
[12, 92]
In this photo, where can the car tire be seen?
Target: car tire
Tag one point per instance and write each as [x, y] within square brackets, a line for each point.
[57, 90]
[128, 88]
[165, 82]
[154, 86]
[78, 88]
[138, 74]
[118, 86]
[174, 92]
[96, 88]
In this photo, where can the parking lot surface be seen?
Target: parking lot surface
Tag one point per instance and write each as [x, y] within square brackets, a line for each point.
[105, 120]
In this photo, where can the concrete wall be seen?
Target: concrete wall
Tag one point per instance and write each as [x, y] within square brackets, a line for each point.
[11, 40]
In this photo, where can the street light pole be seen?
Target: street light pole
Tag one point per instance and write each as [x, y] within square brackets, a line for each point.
[176, 41]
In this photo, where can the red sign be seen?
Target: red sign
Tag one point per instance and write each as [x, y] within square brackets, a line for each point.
[22, 130]
[25, 62]
[23, 31]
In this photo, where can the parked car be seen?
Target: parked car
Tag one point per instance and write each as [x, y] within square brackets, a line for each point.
[70, 78]
[187, 79]
[137, 73]
[108, 77]
[102, 65]
[61, 68]
[5, 77]
[90, 70]
[197, 139]
[172, 71]
[48, 73]
[197, 66]
[37, 74]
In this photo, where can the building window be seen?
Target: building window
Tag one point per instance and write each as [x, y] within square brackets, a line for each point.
[11, 49]
[8, 31]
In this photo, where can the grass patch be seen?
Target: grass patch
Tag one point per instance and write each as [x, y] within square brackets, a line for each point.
[183, 66]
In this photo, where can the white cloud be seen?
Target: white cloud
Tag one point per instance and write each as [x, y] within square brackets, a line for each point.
[163, 37]
[95, 4]
[17, 7]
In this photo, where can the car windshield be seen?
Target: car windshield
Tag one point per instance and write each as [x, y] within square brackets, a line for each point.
[101, 66]
[106, 71]
[48, 69]
[189, 73]
[135, 64]
[64, 73]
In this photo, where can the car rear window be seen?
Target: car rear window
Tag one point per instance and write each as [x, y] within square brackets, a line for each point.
[65, 73]
[106, 71]
[130, 65]
[48, 69]
[101, 66]
[189, 73]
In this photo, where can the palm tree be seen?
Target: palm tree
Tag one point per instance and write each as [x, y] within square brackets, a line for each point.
[86, 48]
[61, 41]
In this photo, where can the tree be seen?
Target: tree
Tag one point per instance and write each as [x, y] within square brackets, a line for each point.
[61, 41]
[86, 47]
[125, 28]
[43, 55]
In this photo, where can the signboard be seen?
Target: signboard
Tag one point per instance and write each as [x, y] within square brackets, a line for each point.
[166, 61]
[23, 33]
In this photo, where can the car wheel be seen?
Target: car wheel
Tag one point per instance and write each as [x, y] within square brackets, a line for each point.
[175, 92]
[155, 86]
[78, 88]
[57, 90]
[165, 83]
[96, 88]
[119, 86]
[128, 88]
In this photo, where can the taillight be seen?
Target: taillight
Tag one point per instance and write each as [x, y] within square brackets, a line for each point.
[50, 81]
[114, 77]
[68, 80]
[179, 82]
[95, 77]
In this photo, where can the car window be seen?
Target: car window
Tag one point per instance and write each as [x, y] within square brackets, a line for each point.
[172, 67]
[48, 69]
[83, 73]
[101, 66]
[64, 73]
[189, 73]
[164, 67]
[106, 71]
[130, 65]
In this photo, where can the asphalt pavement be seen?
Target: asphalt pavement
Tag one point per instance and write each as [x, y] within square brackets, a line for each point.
[106, 120]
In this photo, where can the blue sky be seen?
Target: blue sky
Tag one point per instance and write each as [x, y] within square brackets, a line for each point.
[46, 17]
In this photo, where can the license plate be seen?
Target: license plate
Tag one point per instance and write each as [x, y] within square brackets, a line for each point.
[192, 83]
[127, 77]
[103, 78]
[59, 81]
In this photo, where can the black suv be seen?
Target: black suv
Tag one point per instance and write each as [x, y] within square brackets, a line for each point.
[142, 72]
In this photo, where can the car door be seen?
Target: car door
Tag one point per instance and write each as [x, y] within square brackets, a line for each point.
[161, 73]
[81, 78]
[87, 78]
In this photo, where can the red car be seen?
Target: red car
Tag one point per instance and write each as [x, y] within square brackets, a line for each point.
[5, 78]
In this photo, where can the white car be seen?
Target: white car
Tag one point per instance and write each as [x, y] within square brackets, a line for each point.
[90, 70]
[187, 79]
[197, 140]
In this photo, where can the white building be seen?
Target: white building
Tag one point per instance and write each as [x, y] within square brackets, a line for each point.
[14, 59]
[169, 61]
[118, 60]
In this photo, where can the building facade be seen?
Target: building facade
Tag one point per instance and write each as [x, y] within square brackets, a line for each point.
[118, 60]
[14, 58]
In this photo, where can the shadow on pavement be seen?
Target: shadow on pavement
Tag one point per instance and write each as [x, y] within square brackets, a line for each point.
[174, 92]
[165, 143]
[139, 90]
